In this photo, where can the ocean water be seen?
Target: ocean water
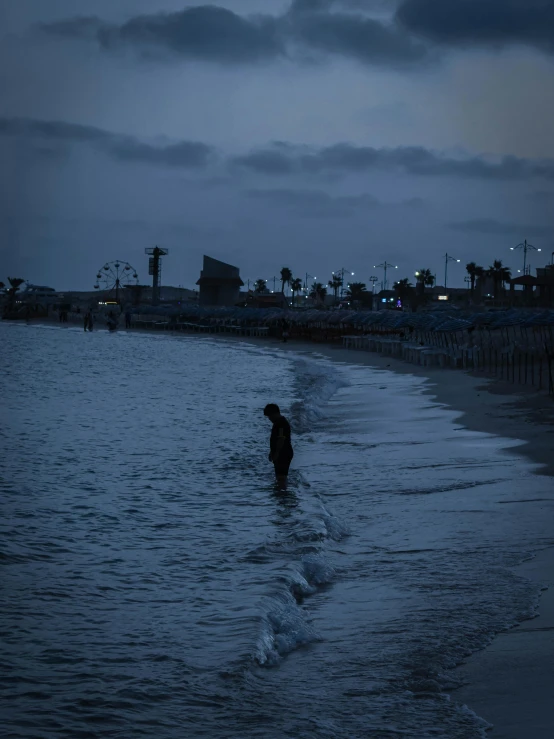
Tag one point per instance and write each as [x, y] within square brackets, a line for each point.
[156, 583]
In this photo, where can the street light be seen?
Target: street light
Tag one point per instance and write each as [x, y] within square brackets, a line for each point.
[274, 281]
[448, 258]
[385, 266]
[373, 280]
[306, 280]
[525, 246]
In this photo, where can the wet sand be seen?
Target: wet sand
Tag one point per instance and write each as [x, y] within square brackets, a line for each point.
[510, 683]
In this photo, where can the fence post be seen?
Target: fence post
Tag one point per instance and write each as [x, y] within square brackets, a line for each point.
[525, 368]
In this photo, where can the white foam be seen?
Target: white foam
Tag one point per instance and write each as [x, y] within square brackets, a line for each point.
[317, 383]
[284, 629]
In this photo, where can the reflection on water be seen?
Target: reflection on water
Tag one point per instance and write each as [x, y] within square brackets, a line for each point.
[157, 582]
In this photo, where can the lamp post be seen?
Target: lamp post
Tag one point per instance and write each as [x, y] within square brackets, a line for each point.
[274, 281]
[385, 266]
[341, 271]
[373, 280]
[525, 246]
[448, 258]
[313, 277]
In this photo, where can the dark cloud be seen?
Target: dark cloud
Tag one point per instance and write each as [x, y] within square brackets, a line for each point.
[481, 22]
[205, 32]
[365, 6]
[191, 154]
[347, 158]
[211, 33]
[277, 160]
[280, 158]
[493, 227]
[364, 39]
[347, 28]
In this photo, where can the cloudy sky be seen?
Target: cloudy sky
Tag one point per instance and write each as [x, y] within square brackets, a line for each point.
[316, 134]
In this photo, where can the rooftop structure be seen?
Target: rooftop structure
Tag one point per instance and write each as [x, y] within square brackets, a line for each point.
[219, 283]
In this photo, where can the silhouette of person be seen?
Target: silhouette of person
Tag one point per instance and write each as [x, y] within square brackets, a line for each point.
[280, 445]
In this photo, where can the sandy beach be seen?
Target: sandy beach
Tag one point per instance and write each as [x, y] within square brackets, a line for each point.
[510, 682]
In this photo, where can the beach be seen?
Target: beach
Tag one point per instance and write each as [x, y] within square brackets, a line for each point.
[387, 581]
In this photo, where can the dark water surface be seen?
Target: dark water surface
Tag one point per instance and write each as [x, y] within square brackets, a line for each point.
[156, 584]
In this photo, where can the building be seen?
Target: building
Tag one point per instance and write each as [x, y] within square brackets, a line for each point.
[219, 283]
[537, 290]
[37, 293]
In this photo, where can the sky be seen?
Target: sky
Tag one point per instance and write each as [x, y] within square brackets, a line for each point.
[312, 134]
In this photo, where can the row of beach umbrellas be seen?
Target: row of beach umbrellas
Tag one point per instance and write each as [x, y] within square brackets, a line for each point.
[385, 319]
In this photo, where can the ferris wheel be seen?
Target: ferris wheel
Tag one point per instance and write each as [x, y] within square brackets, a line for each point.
[114, 276]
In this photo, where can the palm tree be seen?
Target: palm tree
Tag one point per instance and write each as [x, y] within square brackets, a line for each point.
[286, 277]
[335, 284]
[295, 287]
[403, 289]
[499, 275]
[356, 290]
[474, 271]
[425, 278]
[260, 286]
[318, 292]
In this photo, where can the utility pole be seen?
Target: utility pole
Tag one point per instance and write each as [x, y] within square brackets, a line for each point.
[525, 246]
[385, 266]
[373, 280]
[154, 269]
[448, 258]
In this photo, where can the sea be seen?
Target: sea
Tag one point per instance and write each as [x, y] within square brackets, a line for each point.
[156, 582]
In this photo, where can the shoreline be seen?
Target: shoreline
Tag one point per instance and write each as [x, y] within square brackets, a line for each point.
[502, 409]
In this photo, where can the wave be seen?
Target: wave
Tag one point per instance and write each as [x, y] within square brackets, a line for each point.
[316, 383]
[285, 628]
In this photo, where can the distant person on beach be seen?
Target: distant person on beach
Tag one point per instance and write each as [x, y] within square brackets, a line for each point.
[128, 318]
[90, 321]
[285, 330]
[85, 321]
[111, 322]
[281, 452]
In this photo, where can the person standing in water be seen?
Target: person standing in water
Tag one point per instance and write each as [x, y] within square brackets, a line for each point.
[281, 451]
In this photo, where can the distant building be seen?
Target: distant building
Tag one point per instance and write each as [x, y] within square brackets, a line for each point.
[37, 292]
[219, 283]
[537, 290]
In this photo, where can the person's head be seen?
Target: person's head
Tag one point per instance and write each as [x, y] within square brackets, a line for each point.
[272, 411]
